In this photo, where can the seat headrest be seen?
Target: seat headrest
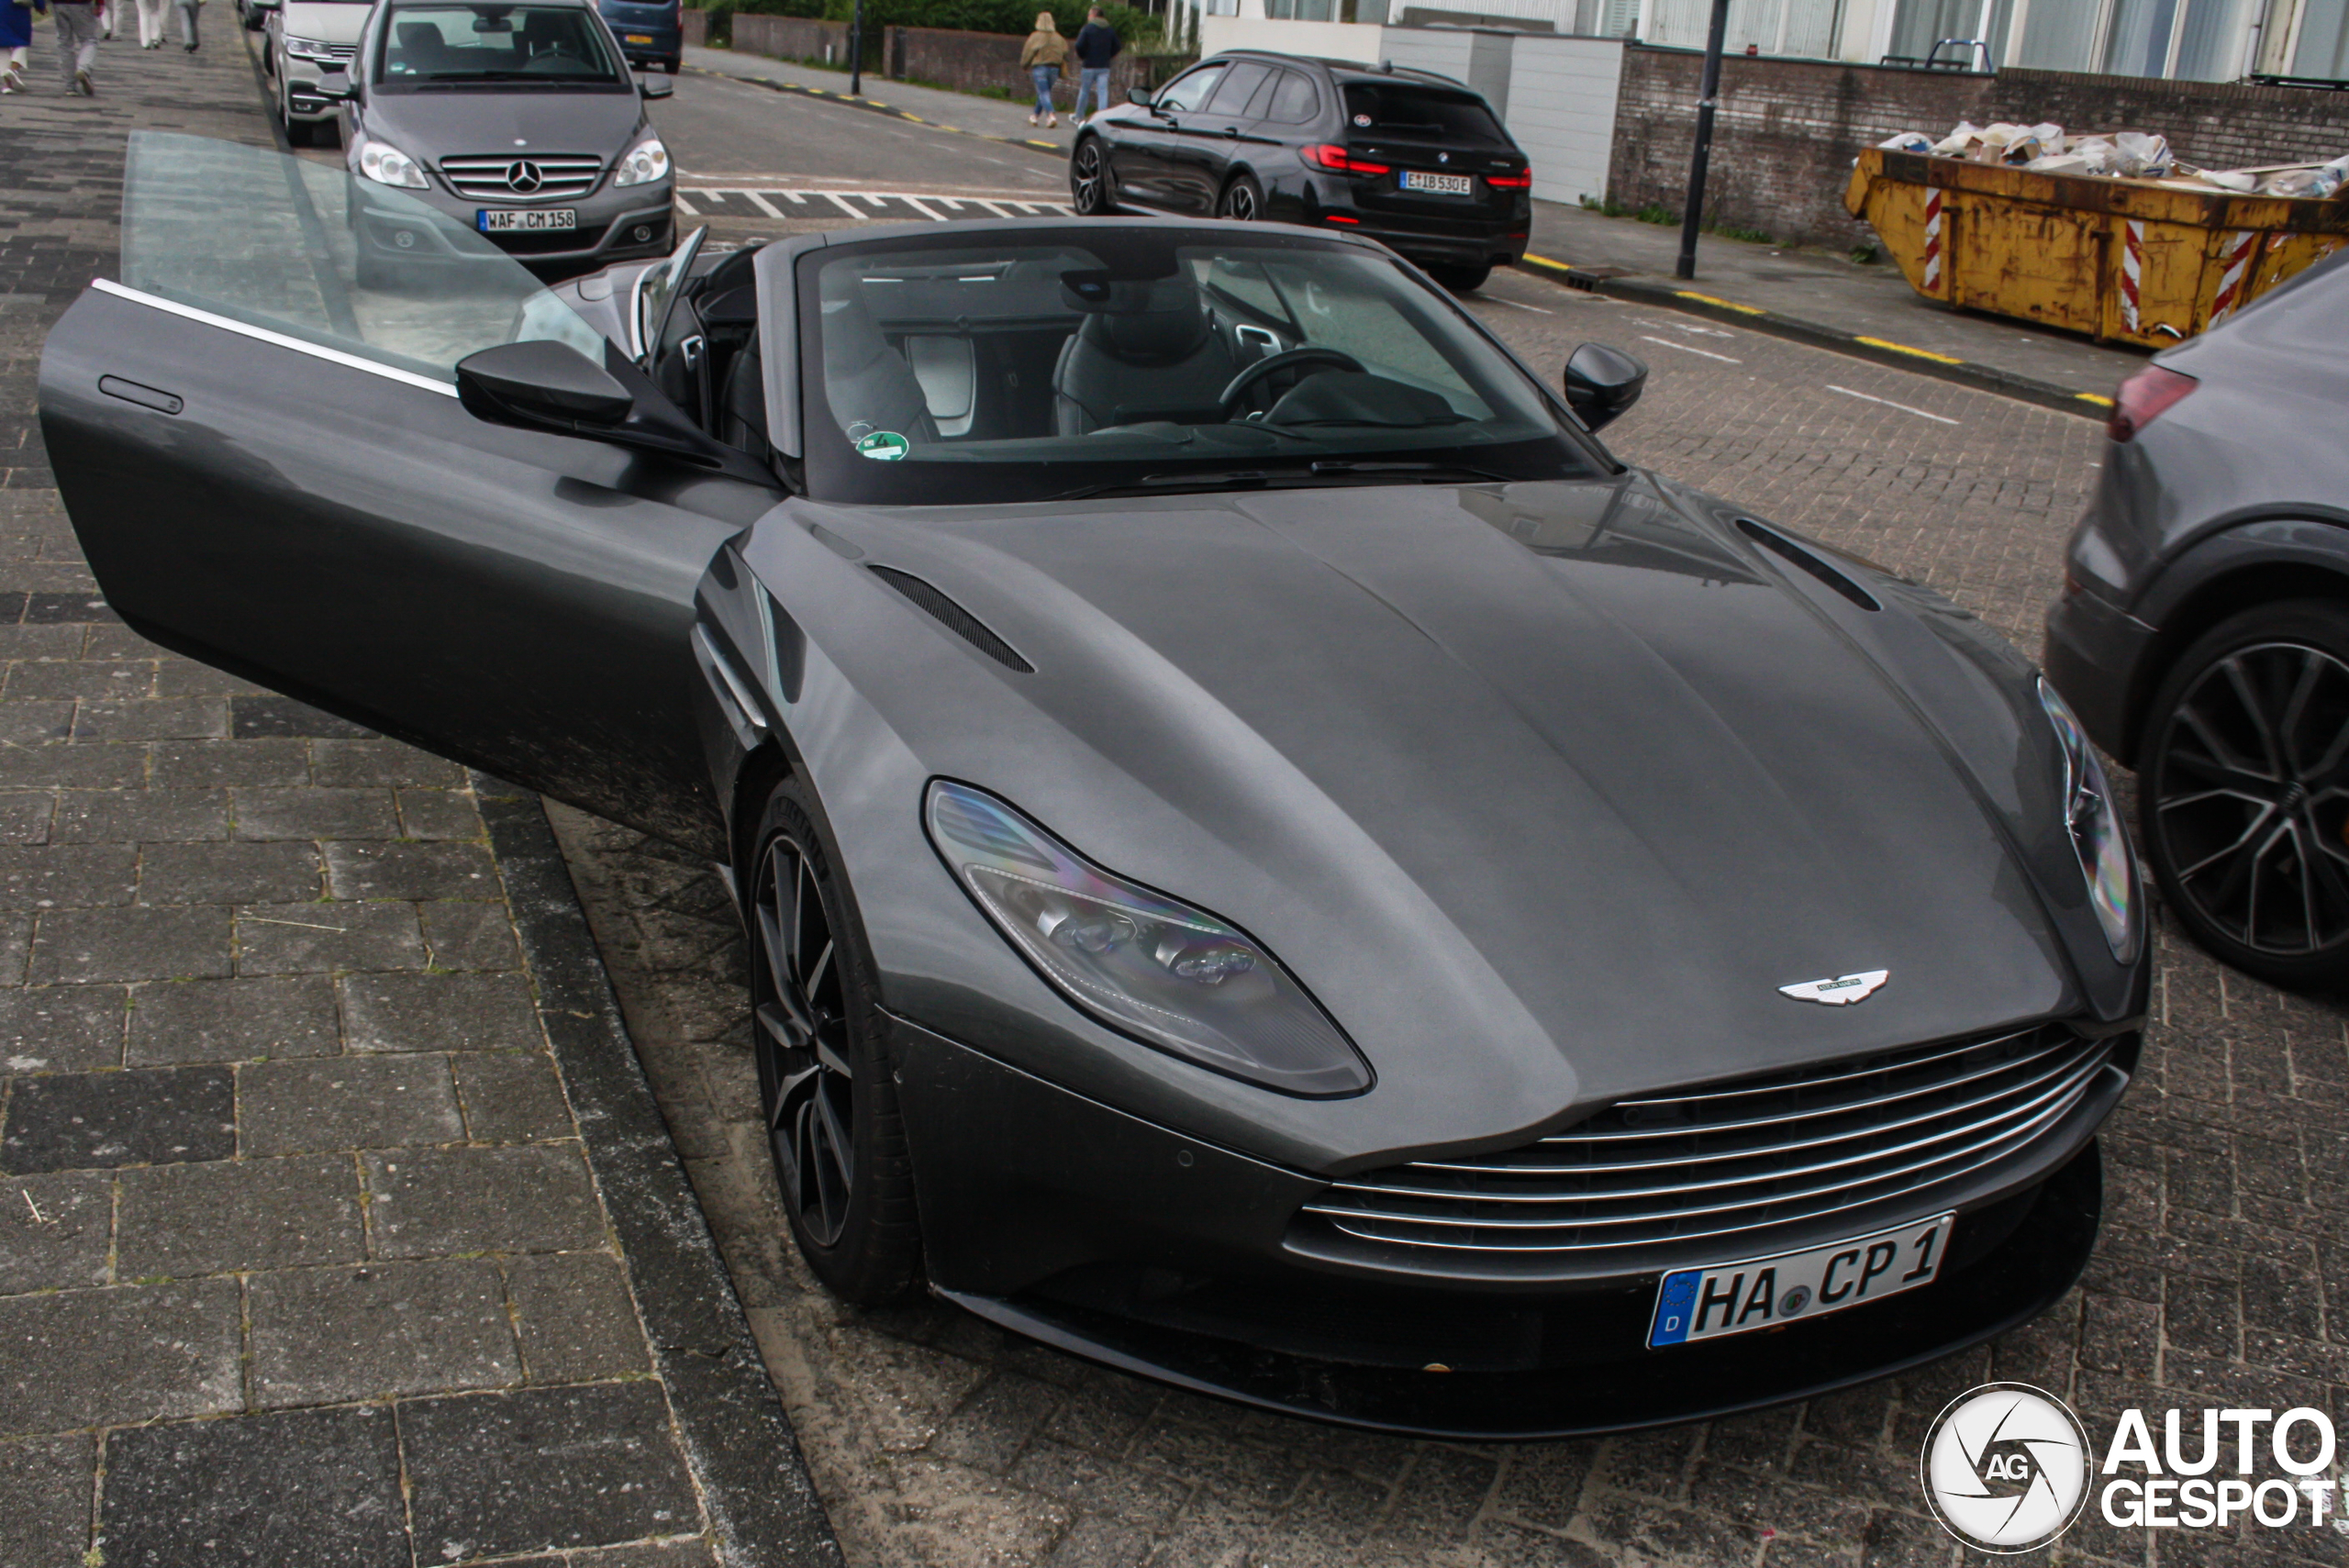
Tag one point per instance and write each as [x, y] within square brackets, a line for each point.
[1160, 323]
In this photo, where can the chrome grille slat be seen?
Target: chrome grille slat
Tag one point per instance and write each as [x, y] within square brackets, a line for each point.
[2063, 1083]
[1680, 1161]
[1749, 1158]
[1571, 1136]
[1865, 1193]
[2051, 1109]
[563, 176]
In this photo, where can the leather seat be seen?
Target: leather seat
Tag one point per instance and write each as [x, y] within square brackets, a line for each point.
[1164, 360]
[867, 382]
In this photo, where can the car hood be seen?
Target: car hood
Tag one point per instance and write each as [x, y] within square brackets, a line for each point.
[1544, 789]
[479, 121]
[337, 23]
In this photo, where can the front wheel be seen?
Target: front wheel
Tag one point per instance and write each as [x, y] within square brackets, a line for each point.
[2244, 794]
[1243, 200]
[1462, 280]
[829, 1103]
[1089, 180]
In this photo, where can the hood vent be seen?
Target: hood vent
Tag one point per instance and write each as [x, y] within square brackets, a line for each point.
[1779, 545]
[955, 618]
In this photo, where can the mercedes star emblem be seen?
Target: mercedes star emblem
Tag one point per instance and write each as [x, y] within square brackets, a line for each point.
[1840, 991]
[523, 177]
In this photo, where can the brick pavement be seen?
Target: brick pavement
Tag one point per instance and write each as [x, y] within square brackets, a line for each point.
[2222, 1274]
[302, 1257]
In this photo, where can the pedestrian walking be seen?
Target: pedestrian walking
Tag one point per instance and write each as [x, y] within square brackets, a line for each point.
[1097, 45]
[187, 9]
[77, 43]
[151, 13]
[1045, 58]
[16, 40]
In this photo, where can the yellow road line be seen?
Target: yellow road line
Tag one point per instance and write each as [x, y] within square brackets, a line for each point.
[2092, 397]
[1905, 349]
[1723, 303]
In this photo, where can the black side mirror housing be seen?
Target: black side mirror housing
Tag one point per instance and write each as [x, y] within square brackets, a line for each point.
[1139, 98]
[655, 86]
[335, 91]
[1602, 383]
[542, 385]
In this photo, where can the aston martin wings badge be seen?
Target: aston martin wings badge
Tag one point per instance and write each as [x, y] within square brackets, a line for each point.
[1840, 991]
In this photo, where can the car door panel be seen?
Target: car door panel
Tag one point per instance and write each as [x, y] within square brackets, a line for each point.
[347, 533]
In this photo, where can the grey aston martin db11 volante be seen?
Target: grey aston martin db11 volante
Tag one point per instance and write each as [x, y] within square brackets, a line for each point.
[1270, 858]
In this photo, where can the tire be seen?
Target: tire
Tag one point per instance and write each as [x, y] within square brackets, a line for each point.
[2243, 793]
[1462, 280]
[1242, 200]
[670, 66]
[825, 1077]
[300, 133]
[1091, 187]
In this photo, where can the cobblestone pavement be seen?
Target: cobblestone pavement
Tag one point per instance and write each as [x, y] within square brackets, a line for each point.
[2222, 1278]
[302, 1262]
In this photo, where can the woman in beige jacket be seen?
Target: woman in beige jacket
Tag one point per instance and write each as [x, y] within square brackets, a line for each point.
[1045, 58]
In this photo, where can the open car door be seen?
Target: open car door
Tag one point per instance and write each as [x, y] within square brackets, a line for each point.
[271, 470]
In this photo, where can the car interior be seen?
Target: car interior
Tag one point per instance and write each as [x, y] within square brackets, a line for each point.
[488, 40]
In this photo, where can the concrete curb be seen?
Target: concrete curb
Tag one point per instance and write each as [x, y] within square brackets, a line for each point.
[871, 107]
[1925, 361]
[738, 1442]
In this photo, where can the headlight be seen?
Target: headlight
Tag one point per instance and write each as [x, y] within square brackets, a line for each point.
[647, 161]
[1170, 976]
[387, 165]
[311, 49]
[2099, 837]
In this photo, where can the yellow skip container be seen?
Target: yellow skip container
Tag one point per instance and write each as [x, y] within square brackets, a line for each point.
[2147, 261]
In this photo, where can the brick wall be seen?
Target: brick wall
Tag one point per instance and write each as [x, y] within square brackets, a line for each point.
[1787, 129]
[790, 38]
[966, 61]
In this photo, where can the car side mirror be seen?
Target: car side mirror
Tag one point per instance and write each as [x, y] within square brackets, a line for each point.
[1139, 98]
[1602, 383]
[542, 385]
[341, 91]
[655, 86]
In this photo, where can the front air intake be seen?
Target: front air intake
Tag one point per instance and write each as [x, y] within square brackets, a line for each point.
[955, 618]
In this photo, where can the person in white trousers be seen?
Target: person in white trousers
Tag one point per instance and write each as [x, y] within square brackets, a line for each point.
[152, 15]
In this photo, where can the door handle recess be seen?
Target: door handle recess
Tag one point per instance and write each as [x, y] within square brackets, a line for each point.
[145, 396]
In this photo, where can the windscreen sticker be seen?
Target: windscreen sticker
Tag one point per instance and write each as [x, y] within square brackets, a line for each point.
[884, 446]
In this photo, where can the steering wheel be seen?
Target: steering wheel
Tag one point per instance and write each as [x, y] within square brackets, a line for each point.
[1327, 359]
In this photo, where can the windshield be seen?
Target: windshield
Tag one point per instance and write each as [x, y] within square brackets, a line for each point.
[1428, 114]
[276, 242]
[1152, 360]
[492, 42]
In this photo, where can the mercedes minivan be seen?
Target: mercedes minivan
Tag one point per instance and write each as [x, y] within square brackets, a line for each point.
[517, 117]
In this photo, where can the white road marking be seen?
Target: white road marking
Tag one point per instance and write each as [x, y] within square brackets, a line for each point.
[685, 207]
[761, 202]
[861, 205]
[1519, 304]
[1687, 349]
[1868, 397]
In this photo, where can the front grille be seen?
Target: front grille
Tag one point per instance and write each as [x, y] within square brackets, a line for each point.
[526, 177]
[1746, 1156]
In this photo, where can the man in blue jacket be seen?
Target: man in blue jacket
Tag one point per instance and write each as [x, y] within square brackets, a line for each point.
[1096, 47]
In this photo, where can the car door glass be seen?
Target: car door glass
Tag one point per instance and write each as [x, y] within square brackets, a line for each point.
[1240, 84]
[265, 239]
[1294, 101]
[1188, 92]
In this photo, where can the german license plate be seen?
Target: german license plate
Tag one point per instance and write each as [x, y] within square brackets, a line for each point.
[1439, 184]
[1765, 1293]
[635, 37]
[527, 220]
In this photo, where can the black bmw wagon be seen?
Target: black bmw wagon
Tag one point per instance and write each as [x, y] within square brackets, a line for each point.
[1410, 158]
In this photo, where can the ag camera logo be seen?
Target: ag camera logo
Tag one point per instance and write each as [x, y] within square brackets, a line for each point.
[2006, 1467]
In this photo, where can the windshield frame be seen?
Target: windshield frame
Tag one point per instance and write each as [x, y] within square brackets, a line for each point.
[380, 79]
[834, 473]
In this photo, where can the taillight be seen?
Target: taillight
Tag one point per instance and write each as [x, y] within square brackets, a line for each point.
[2142, 397]
[1511, 182]
[1338, 160]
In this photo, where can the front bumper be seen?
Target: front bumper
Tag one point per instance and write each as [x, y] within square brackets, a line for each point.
[302, 100]
[2093, 653]
[1064, 1219]
[609, 222]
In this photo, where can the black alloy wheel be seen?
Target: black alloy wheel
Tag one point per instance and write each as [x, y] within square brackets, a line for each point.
[824, 1076]
[1089, 180]
[2246, 792]
[1243, 200]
